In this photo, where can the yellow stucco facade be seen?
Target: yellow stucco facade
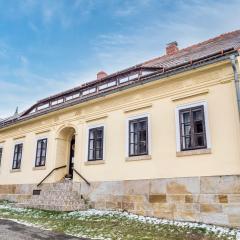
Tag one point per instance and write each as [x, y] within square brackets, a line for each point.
[212, 85]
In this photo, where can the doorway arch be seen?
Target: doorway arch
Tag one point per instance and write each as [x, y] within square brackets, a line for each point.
[65, 149]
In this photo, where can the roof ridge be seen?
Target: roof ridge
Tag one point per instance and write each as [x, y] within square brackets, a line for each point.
[195, 45]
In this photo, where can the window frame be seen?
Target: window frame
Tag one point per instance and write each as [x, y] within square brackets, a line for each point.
[16, 153]
[132, 118]
[41, 150]
[1, 154]
[95, 127]
[181, 108]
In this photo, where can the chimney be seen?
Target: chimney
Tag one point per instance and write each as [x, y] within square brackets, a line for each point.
[101, 75]
[172, 48]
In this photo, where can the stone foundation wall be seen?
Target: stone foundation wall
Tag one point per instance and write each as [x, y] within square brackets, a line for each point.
[213, 200]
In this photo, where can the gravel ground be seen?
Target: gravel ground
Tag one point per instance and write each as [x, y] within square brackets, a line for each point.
[15, 231]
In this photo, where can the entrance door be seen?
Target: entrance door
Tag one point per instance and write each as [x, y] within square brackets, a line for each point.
[71, 160]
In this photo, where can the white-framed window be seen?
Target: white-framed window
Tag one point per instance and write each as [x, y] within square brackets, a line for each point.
[17, 156]
[96, 142]
[41, 152]
[1, 154]
[138, 135]
[192, 127]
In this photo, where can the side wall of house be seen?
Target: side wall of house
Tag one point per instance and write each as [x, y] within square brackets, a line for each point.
[212, 85]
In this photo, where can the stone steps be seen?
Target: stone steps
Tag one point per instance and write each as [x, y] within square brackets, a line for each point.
[55, 197]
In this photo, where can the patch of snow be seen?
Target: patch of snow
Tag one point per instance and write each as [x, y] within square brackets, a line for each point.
[152, 220]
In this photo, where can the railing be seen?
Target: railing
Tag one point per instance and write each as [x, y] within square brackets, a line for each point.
[86, 181]
[57, 168]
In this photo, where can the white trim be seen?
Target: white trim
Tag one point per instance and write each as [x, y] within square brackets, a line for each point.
[104, 140]
[147, 115]
[206, 118]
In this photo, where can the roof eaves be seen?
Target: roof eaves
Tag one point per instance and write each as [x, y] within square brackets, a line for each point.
[146, 79]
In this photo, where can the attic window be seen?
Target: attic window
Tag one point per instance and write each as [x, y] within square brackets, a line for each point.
[107, 85]
[46, 105]
[146, 72]
[123, 80]
[133, 76]
[128, 78]
[88, 91]
[57, 101]
[33, 111]
[73, 96]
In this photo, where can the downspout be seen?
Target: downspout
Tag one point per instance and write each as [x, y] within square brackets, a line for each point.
[236, 79]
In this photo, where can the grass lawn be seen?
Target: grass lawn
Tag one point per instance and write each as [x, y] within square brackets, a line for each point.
[114, 225]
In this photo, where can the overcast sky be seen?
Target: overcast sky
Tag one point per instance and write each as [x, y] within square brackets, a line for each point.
[47, 46]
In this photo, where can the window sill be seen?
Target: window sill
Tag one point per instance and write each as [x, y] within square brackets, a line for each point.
[15, 170]
[194, 152]
[39, 168]
[138, 158]
[95, 162]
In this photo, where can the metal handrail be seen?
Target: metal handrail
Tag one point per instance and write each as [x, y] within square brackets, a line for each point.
[57, 168]
[86, 181]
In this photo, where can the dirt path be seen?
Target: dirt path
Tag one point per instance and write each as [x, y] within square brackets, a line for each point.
[16, 231]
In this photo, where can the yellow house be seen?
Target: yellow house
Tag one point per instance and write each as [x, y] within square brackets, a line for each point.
[161, 138]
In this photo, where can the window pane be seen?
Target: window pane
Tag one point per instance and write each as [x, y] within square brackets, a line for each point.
[186, 117]
[186, 130]
[187, 142]
[90, 155]
[199, 140]
[198, 127]
[99, 144]
[142, 147]
[91, 134]
[99, 133]
[132, 149]
[98, 154]
[197, 115]
[143, 136]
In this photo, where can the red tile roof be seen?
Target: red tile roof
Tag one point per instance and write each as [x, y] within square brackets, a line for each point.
[200, 50]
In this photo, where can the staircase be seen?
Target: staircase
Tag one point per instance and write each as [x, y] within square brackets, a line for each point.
[55, 197]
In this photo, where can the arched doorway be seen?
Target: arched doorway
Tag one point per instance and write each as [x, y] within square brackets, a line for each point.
[66, 150]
